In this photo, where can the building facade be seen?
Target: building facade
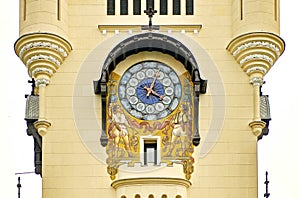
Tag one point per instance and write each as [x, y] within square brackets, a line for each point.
[148, 98]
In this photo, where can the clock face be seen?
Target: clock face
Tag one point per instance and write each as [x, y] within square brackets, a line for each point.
[150, 90]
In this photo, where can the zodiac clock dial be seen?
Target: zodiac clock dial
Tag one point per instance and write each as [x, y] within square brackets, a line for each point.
[150, 90]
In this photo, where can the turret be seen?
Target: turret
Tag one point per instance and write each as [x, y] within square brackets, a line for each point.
[43, 45]
[256, 46]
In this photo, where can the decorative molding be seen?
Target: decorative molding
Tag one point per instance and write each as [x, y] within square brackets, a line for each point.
[42, 126]
[42, 57]
[256, 69]
[42, 52]
[42, 70]
[41, 82]
[151, 181]
[257, 81]
[40, 44]
[257, 56]
[261, 44]
[256, 52]
[257, 127]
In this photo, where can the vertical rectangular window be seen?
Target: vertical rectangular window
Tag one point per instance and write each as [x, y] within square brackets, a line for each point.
[163, 7]
[150, 153]
[242, 10]
[275, 10]
[25, 10]
[176, 7]
[149, 3]
[189, 7]
[110, 7]
[137, 7]
[58, 10]
[123, 7]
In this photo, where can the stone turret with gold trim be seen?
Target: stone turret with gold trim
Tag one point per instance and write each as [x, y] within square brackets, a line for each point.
[256, 47]
[43, 46]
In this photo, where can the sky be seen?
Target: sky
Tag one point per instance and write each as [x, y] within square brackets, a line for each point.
[277, 152]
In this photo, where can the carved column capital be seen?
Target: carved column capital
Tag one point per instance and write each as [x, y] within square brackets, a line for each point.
[42, 82]
[257, 81]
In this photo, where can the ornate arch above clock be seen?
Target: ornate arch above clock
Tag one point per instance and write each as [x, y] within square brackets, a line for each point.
[156, 77]
[149, 42]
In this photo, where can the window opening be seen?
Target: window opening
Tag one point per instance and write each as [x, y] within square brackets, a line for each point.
[149, 3]
[275, 10]
[58, 10]
[123, 7]
[137, 7]
[176, 7]
[25, 10]
[189, 7]
[110, 7]
[163, 7]
[150, 152]
[242, 10]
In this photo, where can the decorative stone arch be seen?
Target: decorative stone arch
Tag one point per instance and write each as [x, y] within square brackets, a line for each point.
[150, 42]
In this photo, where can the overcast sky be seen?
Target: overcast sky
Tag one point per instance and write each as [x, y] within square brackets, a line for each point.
[277, 152]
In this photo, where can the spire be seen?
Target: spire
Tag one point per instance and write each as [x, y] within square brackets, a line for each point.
[267, 194]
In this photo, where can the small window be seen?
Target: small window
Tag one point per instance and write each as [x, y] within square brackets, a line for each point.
[189, 7]
[137, 7]
[110, 7]
[137, 196]
[163, 7]
[150, 4]
[124, 7]
[150, 152]
[164, 196]
[176, 7]
[151, 196]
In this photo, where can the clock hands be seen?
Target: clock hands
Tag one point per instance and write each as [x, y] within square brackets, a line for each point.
[161, 97]
[150, 89]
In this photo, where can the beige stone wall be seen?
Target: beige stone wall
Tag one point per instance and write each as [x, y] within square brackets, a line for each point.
[226, 159]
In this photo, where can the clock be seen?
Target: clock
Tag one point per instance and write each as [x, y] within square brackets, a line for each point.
[150, 90]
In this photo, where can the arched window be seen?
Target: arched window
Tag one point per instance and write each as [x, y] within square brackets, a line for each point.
[151, 196]
[178, 196]
[137, 196]
[123, 196]
[164, 196]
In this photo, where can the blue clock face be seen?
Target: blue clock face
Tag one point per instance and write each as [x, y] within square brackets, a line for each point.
[150, 90]
[141, 91]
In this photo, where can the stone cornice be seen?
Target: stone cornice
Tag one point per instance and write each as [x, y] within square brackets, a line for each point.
[256, 52]
[151, 181]
[42, 53]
